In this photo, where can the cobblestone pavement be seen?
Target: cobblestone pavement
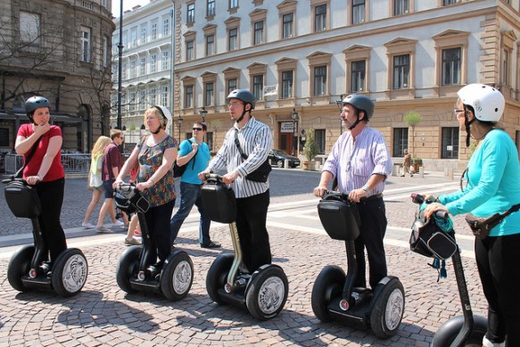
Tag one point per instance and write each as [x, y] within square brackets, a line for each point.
[104, 315]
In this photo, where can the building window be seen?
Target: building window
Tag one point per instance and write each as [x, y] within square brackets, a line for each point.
[166, 27]
[153, 63]
[400, 141]
[208, 94]
[505, 67]
[210, 8]
[231, 85]
[133, 37]
[320, 80]
[165, 60]
[30, 29]
[401, 71]
[190, 14]
[124, 72]
[86, 44]
[258, 87]
[287, 84]
[209, 140]
[210, 45]
[233, 4]
[164, 96]
[451, 63]
[133, 68]
[152, 99]
[287, 25]
[142, 99]
[142, 66]
[154, 31]
[320, 18]
[132, 102]
[188, 97]
[258, 33]
[320, 135]
[104, 56]
[143, 34]
[449, 2]
[357, 76]
[358, 11]
[450, 143]
[232, 44]
[401, 7]
[189, 50]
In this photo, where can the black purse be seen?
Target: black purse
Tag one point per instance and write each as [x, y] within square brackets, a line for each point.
[22, 199]
[261, 173]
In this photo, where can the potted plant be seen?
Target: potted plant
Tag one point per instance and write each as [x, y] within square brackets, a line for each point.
[310, 150]
[416, 163]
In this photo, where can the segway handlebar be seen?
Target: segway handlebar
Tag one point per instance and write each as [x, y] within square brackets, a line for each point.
[335, 194]
[419, 199]
[126, 188]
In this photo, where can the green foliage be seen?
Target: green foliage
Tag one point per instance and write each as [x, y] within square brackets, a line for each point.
[311, 148]
[412, 118]
[132, 127]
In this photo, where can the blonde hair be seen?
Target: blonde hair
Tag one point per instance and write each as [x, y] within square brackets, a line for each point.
[100, 145]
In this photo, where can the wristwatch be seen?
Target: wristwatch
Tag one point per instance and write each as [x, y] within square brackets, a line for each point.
[365, 188]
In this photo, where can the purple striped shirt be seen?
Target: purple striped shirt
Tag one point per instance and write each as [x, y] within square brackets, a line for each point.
[353, 162]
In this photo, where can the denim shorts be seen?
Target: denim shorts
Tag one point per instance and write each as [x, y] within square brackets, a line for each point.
[109, 191]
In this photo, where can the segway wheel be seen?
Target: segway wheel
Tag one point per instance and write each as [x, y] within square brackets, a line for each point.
[217, 276]
[127, 267]
[450, 329]
[69, 273]
[177, 276]
[267, 292]
[328, 285]
[18, 266]
[388, 309]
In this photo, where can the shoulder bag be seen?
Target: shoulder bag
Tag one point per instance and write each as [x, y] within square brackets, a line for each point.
[259, 175]
[179, 170]
[482, 226]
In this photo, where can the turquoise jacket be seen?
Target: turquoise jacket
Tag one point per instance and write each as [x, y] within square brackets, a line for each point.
[493, 176]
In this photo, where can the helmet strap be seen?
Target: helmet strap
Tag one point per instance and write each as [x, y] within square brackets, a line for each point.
[243, 114]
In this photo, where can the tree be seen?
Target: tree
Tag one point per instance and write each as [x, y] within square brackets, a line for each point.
[311, 148]
[412, 118]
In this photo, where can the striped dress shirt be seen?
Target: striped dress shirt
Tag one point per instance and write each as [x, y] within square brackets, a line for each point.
[256, 141]
[353, 162]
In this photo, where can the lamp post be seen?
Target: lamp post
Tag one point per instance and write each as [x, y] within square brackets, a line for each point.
[179, 123]
[294, 116]
[203, 114]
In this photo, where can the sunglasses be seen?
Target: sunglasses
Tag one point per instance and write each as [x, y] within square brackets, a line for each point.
[197, 129]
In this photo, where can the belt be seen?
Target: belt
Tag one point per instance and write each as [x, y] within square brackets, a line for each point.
[372, 197]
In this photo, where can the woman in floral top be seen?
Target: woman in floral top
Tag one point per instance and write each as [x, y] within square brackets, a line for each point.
[155, 155]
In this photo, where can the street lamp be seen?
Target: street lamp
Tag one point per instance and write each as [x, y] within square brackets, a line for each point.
[179, 122]
[203, 113]
[294, 116]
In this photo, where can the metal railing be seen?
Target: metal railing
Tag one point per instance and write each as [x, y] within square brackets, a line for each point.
[74, 164]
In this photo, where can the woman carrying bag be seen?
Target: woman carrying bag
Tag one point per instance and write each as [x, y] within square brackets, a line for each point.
[44, 170]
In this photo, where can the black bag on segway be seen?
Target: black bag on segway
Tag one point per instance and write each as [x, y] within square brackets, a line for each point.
[339, 217]
[22, 198]
[130, 201]
[219, 201]
[433, 237]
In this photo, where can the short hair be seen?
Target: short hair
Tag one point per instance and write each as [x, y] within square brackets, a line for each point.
[203, 125]
[115, 133]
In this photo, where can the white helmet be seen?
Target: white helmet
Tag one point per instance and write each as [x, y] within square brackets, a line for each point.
[488, 102]
[166, 113]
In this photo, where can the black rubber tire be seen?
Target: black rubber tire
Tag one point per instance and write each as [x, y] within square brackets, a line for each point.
[126, 268]
[19, 265]
[69, 272]
[177, 276]
[279, 163]
[450, 329]
[217, 276]
[328, 285]
[267, 292]
[388, 309]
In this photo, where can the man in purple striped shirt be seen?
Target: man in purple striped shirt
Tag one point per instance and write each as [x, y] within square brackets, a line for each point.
[360, 163]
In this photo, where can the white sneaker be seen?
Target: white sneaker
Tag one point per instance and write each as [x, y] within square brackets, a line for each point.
[88, 225]
[119, 223]
[103, 230]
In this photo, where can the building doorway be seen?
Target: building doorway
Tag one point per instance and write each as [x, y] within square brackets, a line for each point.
[286, 140]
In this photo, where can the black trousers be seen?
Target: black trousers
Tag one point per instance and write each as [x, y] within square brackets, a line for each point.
[373, 229]
[498, 261]
[252, 230]
[51, 198]
[158, 223]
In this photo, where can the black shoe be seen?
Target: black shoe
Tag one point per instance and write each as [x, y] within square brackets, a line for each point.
[211, 245]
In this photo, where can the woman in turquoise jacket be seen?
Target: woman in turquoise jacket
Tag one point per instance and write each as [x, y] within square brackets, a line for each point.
[493, 186]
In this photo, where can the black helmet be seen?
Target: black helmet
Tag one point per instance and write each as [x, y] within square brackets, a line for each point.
[244, 95]
[35, 102]
[360, 102]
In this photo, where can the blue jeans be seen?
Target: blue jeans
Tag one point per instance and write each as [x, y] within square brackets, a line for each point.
[191, 195]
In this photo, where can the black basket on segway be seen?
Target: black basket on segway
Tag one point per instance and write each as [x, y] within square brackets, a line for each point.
[339, 217]
[130, 200]
[22, 198]
[219, 200]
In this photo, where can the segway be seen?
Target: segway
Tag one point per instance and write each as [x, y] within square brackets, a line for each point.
[136, 270]
[264, 292]
[30, 266]
[465, 330]
[333, 295]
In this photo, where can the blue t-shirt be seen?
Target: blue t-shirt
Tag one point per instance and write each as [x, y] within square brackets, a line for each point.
[201, 160]
[493, 176]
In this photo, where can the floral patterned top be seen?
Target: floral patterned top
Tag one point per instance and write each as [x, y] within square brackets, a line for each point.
[150, 159]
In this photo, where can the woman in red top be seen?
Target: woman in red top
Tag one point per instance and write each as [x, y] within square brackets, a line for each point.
[44, 170]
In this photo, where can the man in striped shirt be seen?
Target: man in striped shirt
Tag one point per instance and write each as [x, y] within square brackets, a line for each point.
[360, 163]
[255, 140]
